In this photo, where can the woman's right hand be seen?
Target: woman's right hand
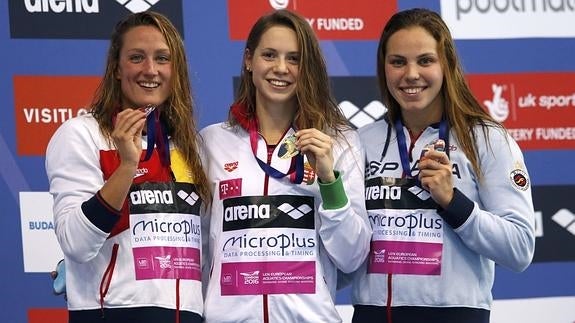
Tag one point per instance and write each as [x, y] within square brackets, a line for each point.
[127, 135]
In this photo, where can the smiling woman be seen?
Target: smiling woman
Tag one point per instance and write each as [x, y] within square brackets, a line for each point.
[127, 162]
[144, 68]
[464, 205]
[293, 208]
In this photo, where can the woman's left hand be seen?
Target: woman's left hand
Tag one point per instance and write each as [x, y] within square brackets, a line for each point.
[435, 176]
[317, 146]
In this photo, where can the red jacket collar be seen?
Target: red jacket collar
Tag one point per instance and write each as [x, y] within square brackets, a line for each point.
[240, 113]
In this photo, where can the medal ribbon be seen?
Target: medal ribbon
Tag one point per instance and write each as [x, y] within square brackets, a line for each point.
[296, 170]
[402, 145]
[157, 135]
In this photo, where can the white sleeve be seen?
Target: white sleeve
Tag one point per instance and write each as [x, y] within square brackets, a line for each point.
[345, 232]
[74, 175]
[501, 225]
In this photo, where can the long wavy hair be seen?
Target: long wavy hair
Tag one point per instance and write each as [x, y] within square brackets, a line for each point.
[317, 107]
[461, 109]
[177, 113]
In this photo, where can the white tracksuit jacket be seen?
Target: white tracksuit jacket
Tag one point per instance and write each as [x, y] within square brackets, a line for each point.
[83, 224]
[487, 222]
[339, 239]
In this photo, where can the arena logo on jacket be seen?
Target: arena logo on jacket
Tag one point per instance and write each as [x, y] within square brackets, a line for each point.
[59, 19]
[168, 197]
[268, 245]
[276, 211]
[387, 191]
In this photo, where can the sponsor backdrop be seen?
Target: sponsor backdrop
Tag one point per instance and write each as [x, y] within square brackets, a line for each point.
[518, 56]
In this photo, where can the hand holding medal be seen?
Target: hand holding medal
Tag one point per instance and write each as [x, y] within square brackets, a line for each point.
[317, 146]
[438, 145]
[435, 172]
[148, 109]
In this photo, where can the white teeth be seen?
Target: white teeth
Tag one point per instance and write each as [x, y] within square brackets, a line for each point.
[279, 83]
[412, 90]
[149, 84]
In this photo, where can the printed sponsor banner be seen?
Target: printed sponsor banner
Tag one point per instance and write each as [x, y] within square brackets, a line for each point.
[279, 277]
[331, 20]
[537, 110]
[167, 263]
[522, 19]
[402, 257]
[274, 211]
[38, 230]
[43, 103]
[555, 209]
[81, 19]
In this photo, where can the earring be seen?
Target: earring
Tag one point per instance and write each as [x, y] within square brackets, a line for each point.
[248, 69]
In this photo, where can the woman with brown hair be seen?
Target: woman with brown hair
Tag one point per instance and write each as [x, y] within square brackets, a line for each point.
[287, 175]
[128, 185]
[448, 193]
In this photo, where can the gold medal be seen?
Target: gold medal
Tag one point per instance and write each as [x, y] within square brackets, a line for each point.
[287, 148]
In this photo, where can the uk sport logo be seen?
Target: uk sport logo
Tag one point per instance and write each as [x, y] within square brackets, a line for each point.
[498, 106]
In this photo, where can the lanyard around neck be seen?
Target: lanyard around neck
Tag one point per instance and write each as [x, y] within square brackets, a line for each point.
[296, 170]
[402, 144]
[157, 136]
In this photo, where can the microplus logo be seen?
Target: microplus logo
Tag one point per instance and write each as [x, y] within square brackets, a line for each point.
[184, 227]
[59, 19]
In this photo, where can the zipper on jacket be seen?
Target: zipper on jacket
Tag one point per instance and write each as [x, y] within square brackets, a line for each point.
[107, 277]
[271, 148]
